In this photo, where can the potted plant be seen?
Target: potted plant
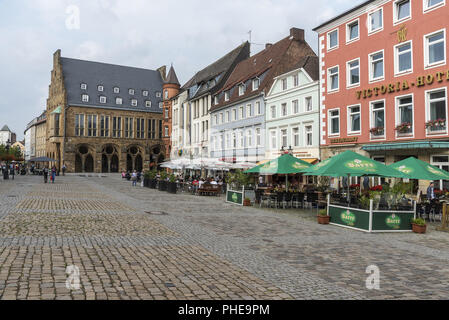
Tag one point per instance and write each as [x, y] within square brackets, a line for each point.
[163, 181]
[152, 182]
[322, 216]
[439, 124]
[404, 127]
[419, 225]
[172, 185]
[246, 202]
[377, 131]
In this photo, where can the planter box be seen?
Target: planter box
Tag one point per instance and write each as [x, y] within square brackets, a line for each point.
[152, 183]
[162, 185]
[171, 187]
[418, 228]
[323, 219]
[247, 203]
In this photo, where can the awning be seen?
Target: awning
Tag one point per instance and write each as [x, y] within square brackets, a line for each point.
[407, 146]
[309, 160]
[57, 110]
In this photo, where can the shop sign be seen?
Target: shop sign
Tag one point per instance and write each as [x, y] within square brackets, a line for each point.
[404, 85]
[348, 217]
[344, 140]
[393, 221]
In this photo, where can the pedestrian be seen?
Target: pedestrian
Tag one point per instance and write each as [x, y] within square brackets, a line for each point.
[53, 174]
[12, 171]
[45, 171]
[63, 169]
[134, 178]
[431, 192]
[366, 183]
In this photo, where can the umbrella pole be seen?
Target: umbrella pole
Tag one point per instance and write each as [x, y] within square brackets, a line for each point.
[286, 182]
[349, 195]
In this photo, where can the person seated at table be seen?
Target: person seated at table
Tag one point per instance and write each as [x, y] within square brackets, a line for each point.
[213, 182]
[200, 183]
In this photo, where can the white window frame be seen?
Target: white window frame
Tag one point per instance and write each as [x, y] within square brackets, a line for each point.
[348, 33]
[148, 103]
[271, 112]
[427, 65]
[284, 84]
[282, 109]
[371, 69]
[370, 31]
[348, 74]
[329, 48]
[397, 21]
[371, 119]
[273, 138]
[329, 82]
[241, 89]
[83, 86]
[257, 108]
[158, 94]
[234, 114]
[119, 101]
[329, 126]
[256, 81]
[228, 117]
[241, 112]
[258, 141]
[134, 102]
[103, 99]
[216, 100]
[307, 132]
[100, 88]
[396, 58]
[131, 92]
[295, 103]
[83, 96]
[348, 120]
[295, 80]
[396, 120]
[306, 108]
[248, 110]
[427, 9]
[282, 136]
[226, 95]
[116, 90]
[427, 105]
[296, 137]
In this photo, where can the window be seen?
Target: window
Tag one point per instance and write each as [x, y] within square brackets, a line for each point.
[273, 112]
[160, 106]
[405, 115]
[309, 136]
[283, 109]
[83, 86]
[258, 108]
[158, 95]
[166, 131]
[377, 119]
[100, 88]
[284, 84]
[116, 90]
[273, 139]
[116, 127]
[102, 99]
[148, 104]
[354, 119]
[284, 138]
[160, 129]
[151, 128]
[216, 119]
[333, 81]
[432, 4]
[234, 140]
[167, 113]
[441, 162]
[166, 94]
[242, 113]
[296, 80]
[57, 121]
[91, 125]
[334, 122]
[145, 93]
[376, 66]
[295, 106]
[353, 69]
[242, 139]
[228, 116]
[308, 103]
[256, 83]
[140, 128]
[402, 10]
[79, 125]
[227, 96]
[134, 102]
[118, 101]
[104, 126]
[249, 140]
[234, 114]
[436, 106]
[435, 48]
[85, 98]
[295, 133]
[248, 110]
[352, 31]
[403, 58]
[129, 127]
[375, 21]
[216, 100]
[131, 91]
[241, 90]
[228, 140]
[258, 137]
[332, 40]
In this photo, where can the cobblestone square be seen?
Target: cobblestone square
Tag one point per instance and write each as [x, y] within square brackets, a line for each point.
[202, 248]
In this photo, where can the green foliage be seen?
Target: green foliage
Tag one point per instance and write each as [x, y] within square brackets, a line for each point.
[164, 175]
[419, 222]
[323, 183]
[401, 188]
[322, 212]
[172, 178]
[238, 179]
[11, 154]
[365, 201]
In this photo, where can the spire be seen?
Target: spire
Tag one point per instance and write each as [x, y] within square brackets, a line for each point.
[172, 78]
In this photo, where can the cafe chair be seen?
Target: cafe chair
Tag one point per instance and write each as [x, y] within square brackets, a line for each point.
[435, 210]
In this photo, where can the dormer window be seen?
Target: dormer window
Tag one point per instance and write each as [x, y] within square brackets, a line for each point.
[118, 101]
[85, 98]
[241, 90]
[166, 94]
[227, 96]
[134, 102]
[83, 86]
[284, 84]
[216, 99]
[100, 88]
[148, 104]
[161, 105]
[102, 99]
[145, 93]
[256, 83]
[116, 90]
[158, 94]
[131, 91]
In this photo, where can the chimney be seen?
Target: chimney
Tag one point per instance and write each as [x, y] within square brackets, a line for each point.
[297, 34]
[163, 71]
[268, 45]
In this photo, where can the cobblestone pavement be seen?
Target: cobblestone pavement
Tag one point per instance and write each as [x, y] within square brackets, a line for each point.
[201, 248]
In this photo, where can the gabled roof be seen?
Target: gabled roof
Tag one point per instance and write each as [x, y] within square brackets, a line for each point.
[5, 128]
[171, 77]
[287, 54]
[220, 69]
[109, 76]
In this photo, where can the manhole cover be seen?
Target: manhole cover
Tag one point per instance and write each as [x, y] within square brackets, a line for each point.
[12, 196]
[157, 213]
[170, 285]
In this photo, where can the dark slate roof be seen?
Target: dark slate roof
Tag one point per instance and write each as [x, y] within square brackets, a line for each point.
[109, 76]
[171, 77]
[213, 76]
[5, 128]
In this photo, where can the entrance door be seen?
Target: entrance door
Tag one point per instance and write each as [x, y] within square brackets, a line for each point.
[114, 164]
[104, 164]
[78, 164]
[441, 162]
[89, 164]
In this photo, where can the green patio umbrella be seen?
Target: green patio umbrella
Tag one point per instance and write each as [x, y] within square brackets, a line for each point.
[417, 169]
[285, 164]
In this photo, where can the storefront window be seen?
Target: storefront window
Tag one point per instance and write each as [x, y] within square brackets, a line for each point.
[441, 162]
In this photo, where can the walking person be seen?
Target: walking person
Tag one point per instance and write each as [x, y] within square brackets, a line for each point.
[134, 178]
[53, 174]
[431, 192]
[45, 171]
[12, 171]
[64, 168]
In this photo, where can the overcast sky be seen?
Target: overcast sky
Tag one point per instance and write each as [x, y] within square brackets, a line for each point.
[191, 34]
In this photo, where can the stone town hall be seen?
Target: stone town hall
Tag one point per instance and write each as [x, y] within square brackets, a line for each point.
[106, 118]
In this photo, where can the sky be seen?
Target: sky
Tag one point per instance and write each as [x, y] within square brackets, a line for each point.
[189, 34]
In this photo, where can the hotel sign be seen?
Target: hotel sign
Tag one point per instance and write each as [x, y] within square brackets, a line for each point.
[404, 85]
[344, 140]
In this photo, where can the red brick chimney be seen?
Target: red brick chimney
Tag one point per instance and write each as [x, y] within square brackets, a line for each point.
[297, 34]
